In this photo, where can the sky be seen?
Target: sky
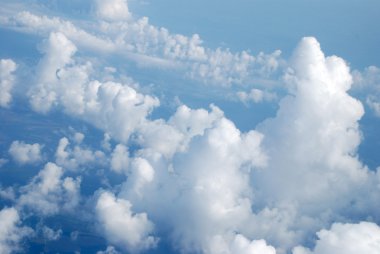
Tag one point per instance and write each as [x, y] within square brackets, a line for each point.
[210, 127]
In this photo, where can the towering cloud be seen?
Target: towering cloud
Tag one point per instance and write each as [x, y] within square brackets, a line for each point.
[313, 167]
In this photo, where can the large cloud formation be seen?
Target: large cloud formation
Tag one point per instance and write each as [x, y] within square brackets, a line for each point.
[193, 180]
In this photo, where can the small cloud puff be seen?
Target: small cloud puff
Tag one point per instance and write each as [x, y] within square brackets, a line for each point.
[7, 67]
[24, 153]
[112, 10]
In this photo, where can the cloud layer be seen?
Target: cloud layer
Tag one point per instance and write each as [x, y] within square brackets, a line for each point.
[190, 181]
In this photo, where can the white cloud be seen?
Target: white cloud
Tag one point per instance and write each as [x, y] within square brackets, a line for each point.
[49, 233]
[369, 78]
[49, 193]
[205, 190]
[77, 157]
[24, 153]
[141, 174]
[120, 158]
[58, 52]
[374, 103]
[214, 188]
[113, 107]
[346, 238]
[367, 86]
[123, 228]
[44, 25]
[10, 232]
[256, 96]
[154, 46]
[112, 10]
[7, 193]
[239, 245]
[7, 67]
[313, 171]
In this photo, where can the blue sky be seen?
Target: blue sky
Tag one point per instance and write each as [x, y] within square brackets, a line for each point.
[217, 127]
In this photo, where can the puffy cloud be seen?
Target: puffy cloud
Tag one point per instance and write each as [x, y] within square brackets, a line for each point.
[58, 52]
[194, 122]
[112, 10]
[123, 228]
[367, 84]
[113, 107]
[141, 174]
[313, 168]
[120, 158]
[78, 157]
[174, 135]
[346, 238]
[49, 233]
[10, 231]
[48, 193]
[239, 245]
[24, 153]
[207, 186]
[374, 104]
[369, 78]
[256, 96]
[7, 67]
[204, 191]
[215, 192]
[7, 193]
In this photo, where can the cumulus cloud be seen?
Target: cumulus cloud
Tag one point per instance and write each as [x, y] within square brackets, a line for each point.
[113, 107]
[24, 153]
[7, 67]
[367, 87]
[77, 157]
[239, 245]
[11, 233]
[49, 233]
[123, 228]
[311, 145]
[256, 96]
[195, 179]
[346, 238]
[120, 158]
[205, 190]
[112, 10]
[49, 193]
